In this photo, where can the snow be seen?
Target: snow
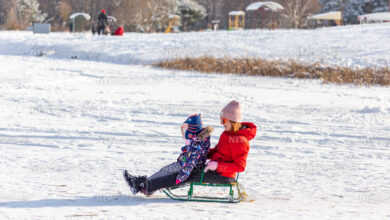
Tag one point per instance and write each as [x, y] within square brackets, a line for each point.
[384, 16]
[351, 46]
[29, 11]
[234, 13]
[70, 126]
[174, 16]
[272, 5]
[354, 8]
[84, 15]
[333, 15]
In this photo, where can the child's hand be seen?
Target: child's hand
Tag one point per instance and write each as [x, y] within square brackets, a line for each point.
[212, 165]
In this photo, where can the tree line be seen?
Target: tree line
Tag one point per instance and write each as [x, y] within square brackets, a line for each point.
[153, 15]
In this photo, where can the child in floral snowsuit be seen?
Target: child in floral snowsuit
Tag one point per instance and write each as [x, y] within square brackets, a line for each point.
[191, 160]
[194, 154]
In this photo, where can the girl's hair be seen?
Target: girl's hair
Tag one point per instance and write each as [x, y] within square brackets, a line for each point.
[235, 126]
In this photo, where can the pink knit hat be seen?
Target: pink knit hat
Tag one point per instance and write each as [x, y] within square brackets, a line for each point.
[232, 111]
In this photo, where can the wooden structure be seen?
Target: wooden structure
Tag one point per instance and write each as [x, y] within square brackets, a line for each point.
[236, 20]
[111, 19]
[41, 28]
[264, 14]
[173, 26]
[374, 18]
[332, 17]
[79, 21]
[215, 24]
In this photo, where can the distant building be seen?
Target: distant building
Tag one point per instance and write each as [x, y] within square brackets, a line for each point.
[351, 9]
[264, 15]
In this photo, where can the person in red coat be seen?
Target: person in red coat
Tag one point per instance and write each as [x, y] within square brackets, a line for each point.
[119, 31]
[229, 156]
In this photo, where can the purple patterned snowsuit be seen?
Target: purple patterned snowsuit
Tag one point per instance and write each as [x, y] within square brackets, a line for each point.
[192, 156]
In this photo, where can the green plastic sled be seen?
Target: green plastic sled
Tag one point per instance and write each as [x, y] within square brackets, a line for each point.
[233, 197]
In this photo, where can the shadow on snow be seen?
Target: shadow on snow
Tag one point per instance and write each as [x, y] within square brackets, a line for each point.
[115, 200]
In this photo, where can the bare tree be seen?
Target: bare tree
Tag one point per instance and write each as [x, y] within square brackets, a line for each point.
[12, 22]
[144, 15]
[64, 10]
[297, 11]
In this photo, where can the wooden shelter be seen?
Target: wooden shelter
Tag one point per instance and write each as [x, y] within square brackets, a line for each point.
[236, 20]
[374, 18]
[173, 26]
[79, 21]
[263, 14]
[334, 17]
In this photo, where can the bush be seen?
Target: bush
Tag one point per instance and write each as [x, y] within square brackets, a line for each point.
[291, 69]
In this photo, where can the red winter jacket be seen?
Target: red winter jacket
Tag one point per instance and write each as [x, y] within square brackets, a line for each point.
[119, 31]
[232, 150]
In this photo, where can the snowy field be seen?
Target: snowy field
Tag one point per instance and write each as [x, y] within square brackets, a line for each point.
[350, 46]
[70, 126]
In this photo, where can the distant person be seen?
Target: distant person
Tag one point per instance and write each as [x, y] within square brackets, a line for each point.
[119, 31]
[107, 30]
[70, 25]
[93, 28]
[102, 22]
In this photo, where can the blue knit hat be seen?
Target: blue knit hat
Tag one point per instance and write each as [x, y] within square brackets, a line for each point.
[192, 125]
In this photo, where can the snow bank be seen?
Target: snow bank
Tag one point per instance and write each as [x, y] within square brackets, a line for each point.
[370, 109]
[69, 128]
[351, 46]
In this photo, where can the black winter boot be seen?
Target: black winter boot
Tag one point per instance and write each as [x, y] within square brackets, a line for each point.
[136, 184]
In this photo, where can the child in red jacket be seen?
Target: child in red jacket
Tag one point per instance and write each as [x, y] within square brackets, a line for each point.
[227, 158]
[119, 31]
[229, 155]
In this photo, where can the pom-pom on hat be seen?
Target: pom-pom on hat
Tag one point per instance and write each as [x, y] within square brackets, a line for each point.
[103, 11]
[192, 126]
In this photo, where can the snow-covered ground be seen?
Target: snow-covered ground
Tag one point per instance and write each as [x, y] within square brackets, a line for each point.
[351, 46]
[69, 127]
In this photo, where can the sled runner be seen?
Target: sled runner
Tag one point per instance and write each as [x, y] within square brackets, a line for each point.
[233, 196]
